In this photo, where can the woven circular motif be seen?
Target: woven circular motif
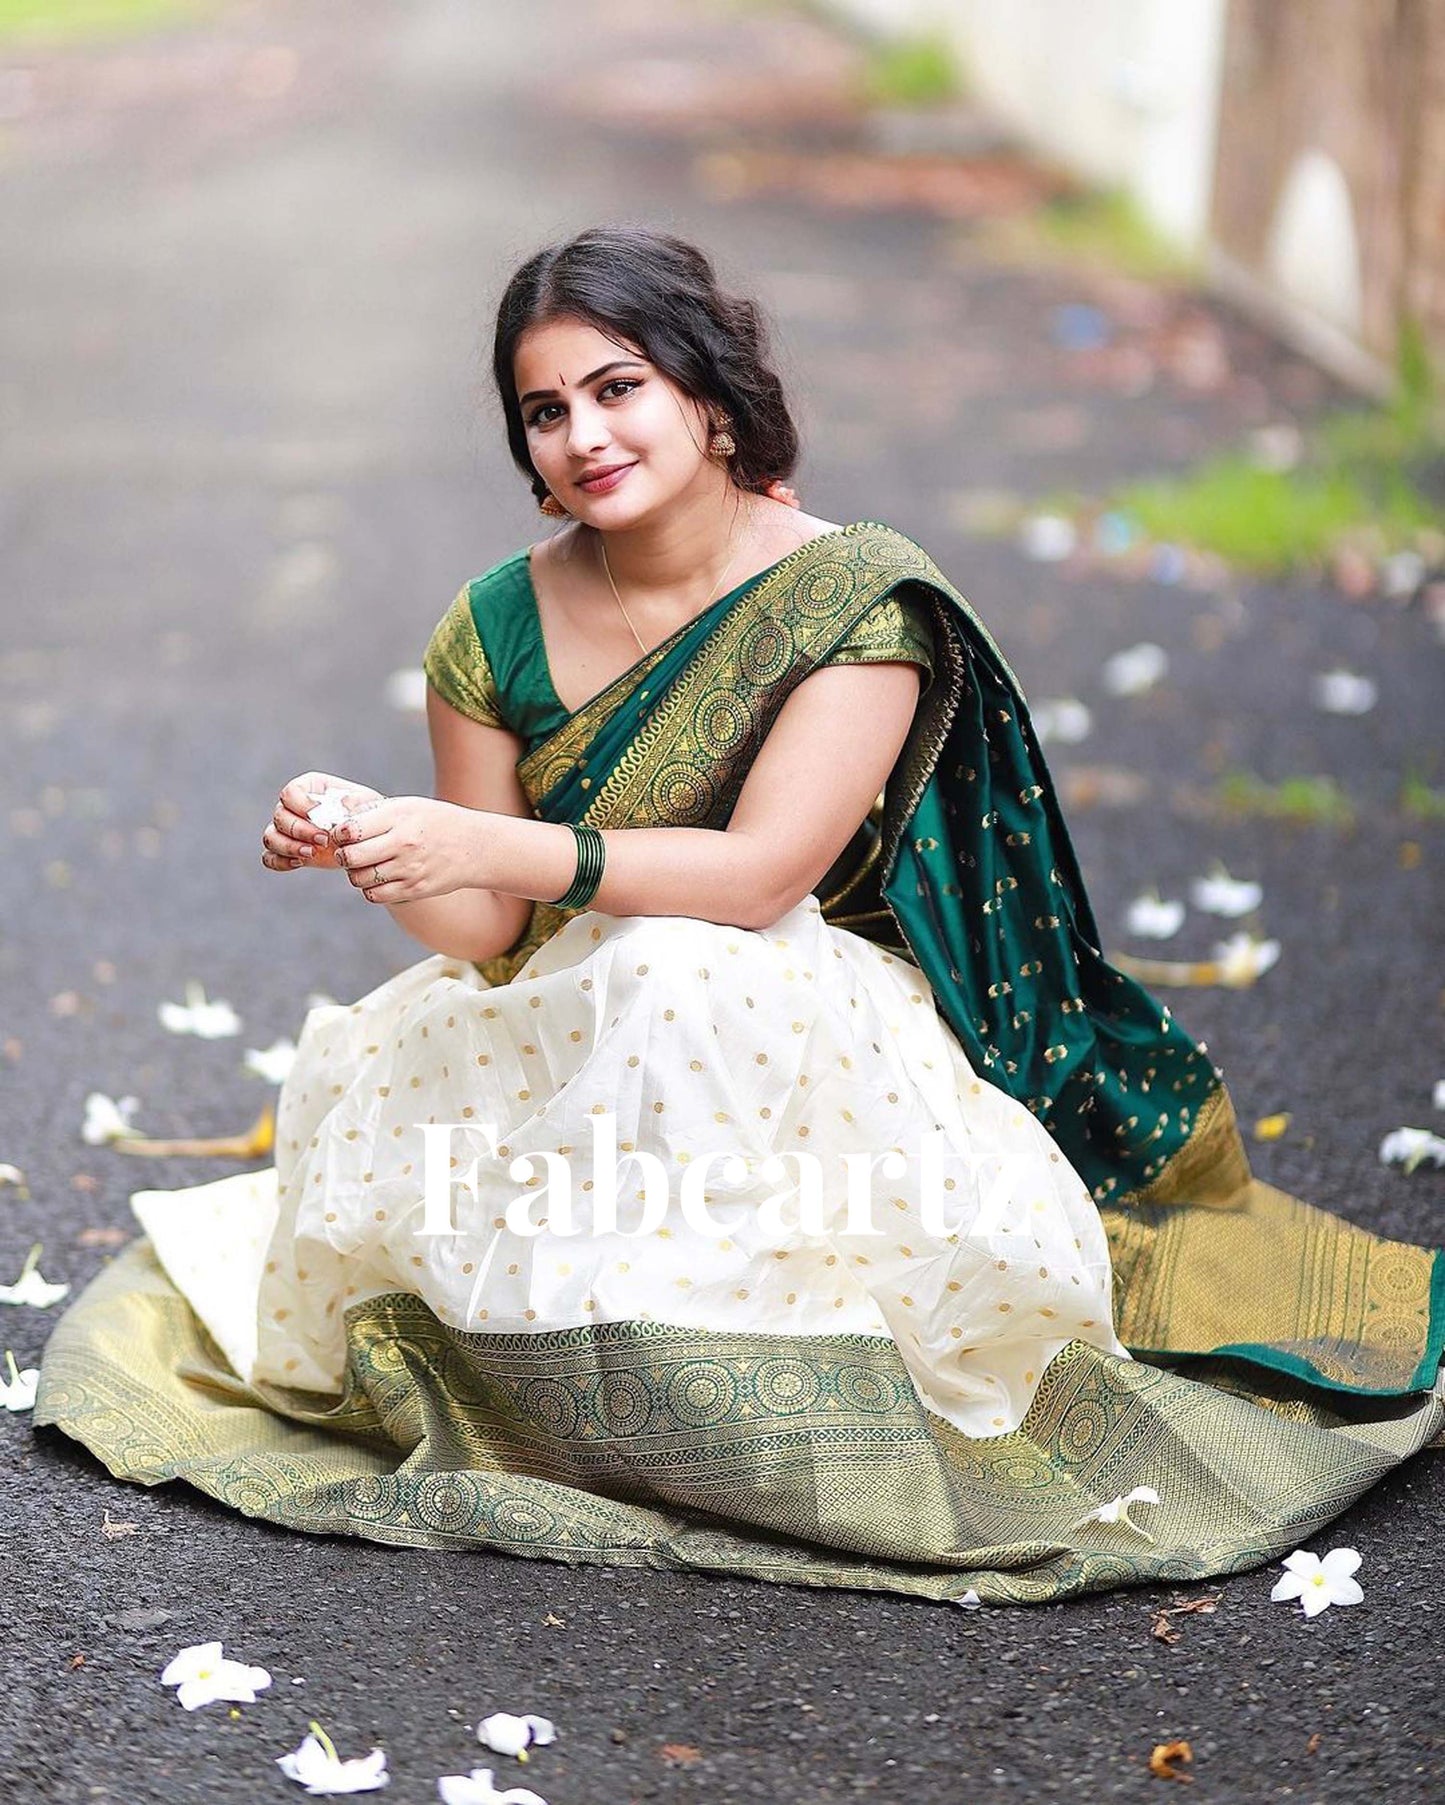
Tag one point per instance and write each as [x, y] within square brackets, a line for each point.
[446, 1502]
[701, 1393]
[765, 652]
[785, 1387]
[723, 725]
[1083, 1429]
[821, 589]
[373, 1500]
[551, 1405]
[682, 794]
[865, 1389]
[624, 1404]
[520, 1519]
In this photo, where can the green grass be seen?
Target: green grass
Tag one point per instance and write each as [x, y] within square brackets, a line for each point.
[911, 72]
[1419, 801]
[1292, 799]
[1102, 227]
[60, 21]
[1353, 482]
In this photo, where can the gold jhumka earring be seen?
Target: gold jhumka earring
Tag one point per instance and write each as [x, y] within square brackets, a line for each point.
[722, 444]
[549, 504]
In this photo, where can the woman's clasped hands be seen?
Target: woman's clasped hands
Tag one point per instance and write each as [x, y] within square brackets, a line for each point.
[393, 849]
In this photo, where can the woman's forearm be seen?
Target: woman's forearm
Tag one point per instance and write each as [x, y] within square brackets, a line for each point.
[466, 924]
[704, 872]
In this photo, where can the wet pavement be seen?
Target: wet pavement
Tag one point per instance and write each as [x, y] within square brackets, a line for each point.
[250, 457]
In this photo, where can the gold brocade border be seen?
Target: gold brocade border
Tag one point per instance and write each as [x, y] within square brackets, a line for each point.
[1211, 1168]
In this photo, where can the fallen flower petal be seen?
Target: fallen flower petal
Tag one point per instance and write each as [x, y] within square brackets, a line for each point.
[508, 1735]
[1243, 958]
[1116, 1511]
[316, 1766]
[1410, 1147]
[106, 1120]
[18, 1392]
[1152, 918]
[1221, 894]
[113, 1531]
[1342, 692]
[202, 1676]
[1437, 1097]
[272, 1063]
[1066, 720]
[1319, 1583]
[208, 1020]
[970, 1601]
[12, 1175]
[30, 1288]
[476, 1788]
[1131, 672]
[1164, 1755]
[1272, 1128]
[1237, 963]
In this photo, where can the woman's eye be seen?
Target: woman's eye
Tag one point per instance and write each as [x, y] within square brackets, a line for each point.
[623, 385]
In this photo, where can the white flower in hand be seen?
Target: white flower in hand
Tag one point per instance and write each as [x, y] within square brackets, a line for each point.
[329, 810]
[210, 1021]
[1152, 918]
[1317, 1583]
[106, 1120]
[476, 1788]
[316, 1766]
[1221, 894]
[30, 1288]
[1410, 1147]
[272, 1063]
[18, 1392]
[1117, 1511]
[508, 1735]
[201, 1677]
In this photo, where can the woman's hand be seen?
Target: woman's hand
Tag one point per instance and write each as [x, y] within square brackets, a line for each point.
[402, 849]
[290, 841]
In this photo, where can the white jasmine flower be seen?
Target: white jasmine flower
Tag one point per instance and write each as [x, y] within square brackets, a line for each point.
[107, 1120]
[1410, 1147]
[12, 1175]
[1242, 958]
[508, 1735]
[970, 1601]
[1317, 1583]
[316, 1766]
[406, 690]
[30, 1288]
[1221, 894]
[1131, 672]
[1437, 1097]
[1342, 692]
[18, 1392]
[1152, 918]
[211, 1021]
[272, 1063]
[201, 1676]
[476, 1788]
[328, 810]
[1117, 1511]
[1065, 719]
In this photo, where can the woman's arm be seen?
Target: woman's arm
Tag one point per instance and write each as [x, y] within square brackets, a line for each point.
[819, 771]
[476, 767]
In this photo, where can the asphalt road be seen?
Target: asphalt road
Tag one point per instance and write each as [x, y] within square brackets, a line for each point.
[248, 460]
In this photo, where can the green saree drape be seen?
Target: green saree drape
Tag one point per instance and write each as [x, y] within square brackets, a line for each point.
[1285, 1359]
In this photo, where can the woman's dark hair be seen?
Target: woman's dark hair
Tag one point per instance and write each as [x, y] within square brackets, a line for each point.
[660, 294]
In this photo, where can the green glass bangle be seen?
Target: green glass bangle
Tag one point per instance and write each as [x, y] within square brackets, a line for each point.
[588, 876]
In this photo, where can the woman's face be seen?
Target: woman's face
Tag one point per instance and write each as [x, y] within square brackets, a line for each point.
[593, 405]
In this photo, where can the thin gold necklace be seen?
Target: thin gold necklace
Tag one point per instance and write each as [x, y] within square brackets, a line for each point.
[720, 590]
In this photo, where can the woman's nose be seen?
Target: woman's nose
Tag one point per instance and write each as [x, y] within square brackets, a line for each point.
[587, 430]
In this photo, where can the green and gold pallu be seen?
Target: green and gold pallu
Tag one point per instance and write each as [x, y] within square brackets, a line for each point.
[1285, 1359]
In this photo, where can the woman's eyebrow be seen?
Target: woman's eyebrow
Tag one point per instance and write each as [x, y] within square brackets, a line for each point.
[617, 364]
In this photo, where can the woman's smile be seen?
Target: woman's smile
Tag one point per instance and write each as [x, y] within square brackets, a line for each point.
[606, 480]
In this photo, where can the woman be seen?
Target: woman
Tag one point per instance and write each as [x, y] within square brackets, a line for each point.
[742, 850]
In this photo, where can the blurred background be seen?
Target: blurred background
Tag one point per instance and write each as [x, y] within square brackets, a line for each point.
[1129, 311]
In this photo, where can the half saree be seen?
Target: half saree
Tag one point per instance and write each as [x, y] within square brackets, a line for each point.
[1110, 1299]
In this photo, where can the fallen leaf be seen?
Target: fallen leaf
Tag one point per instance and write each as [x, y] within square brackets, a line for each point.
[1166, 1753]
[258, 1141]
[111, 1530]
[555, 1623]
[680, 1754]
[84, 1181]
[1163, 1630]
[1312, 1746]
[76, 1661]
